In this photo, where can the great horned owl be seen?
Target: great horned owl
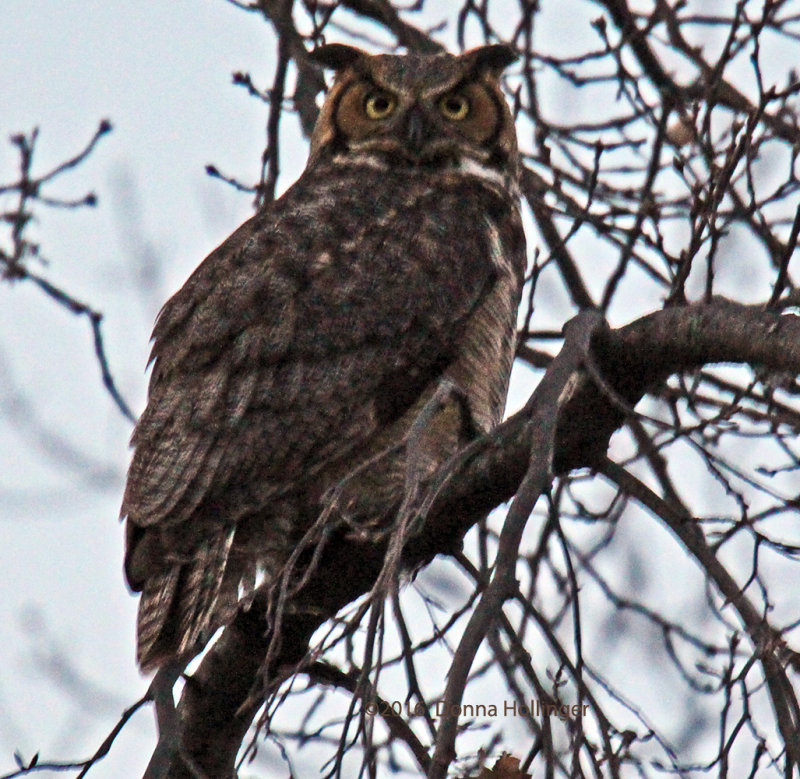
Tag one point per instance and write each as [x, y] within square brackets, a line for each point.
[304, 347]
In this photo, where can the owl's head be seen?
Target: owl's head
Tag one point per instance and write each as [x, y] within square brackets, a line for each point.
[432, 110]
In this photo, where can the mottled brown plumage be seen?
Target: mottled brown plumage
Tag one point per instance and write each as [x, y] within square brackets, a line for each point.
[310, 340]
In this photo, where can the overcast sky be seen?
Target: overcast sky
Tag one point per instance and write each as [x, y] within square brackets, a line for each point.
[160, 72]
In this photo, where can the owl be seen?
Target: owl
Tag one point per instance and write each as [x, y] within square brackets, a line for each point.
[300, 352]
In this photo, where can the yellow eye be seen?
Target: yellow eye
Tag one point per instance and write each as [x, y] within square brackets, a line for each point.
[378, 105]
[454, 107]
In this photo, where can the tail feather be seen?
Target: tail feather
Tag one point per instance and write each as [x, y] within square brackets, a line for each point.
[201, 591]
[178, 610]
[155, 607]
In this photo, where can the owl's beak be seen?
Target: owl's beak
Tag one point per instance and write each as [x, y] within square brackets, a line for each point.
[416, 129]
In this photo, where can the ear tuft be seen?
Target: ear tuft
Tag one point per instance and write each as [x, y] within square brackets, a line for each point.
[495, 58]
[335, 56]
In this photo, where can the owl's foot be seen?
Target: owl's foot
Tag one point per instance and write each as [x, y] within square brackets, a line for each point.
[417, 459]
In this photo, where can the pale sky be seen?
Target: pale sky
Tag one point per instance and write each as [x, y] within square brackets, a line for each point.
[161, 73]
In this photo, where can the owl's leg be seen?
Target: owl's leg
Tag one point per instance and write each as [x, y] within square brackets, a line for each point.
[439, 428]
[427, 423]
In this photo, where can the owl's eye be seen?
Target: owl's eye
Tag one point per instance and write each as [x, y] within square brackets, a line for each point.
[454, 107]
[378, 105]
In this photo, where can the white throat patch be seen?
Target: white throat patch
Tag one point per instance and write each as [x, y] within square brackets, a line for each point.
[474, 168]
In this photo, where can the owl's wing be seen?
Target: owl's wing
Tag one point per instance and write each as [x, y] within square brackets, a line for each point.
[209, 353]
[215, 341]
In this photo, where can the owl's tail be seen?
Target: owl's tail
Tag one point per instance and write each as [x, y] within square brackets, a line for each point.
[181, 608]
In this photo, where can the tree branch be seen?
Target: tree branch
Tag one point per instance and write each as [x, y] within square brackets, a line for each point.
[222, 697]
[770, 648]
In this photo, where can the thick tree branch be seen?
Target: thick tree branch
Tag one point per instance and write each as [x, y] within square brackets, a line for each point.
[219, 703]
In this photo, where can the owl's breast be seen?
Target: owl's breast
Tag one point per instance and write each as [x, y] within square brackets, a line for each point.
[383, 253]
